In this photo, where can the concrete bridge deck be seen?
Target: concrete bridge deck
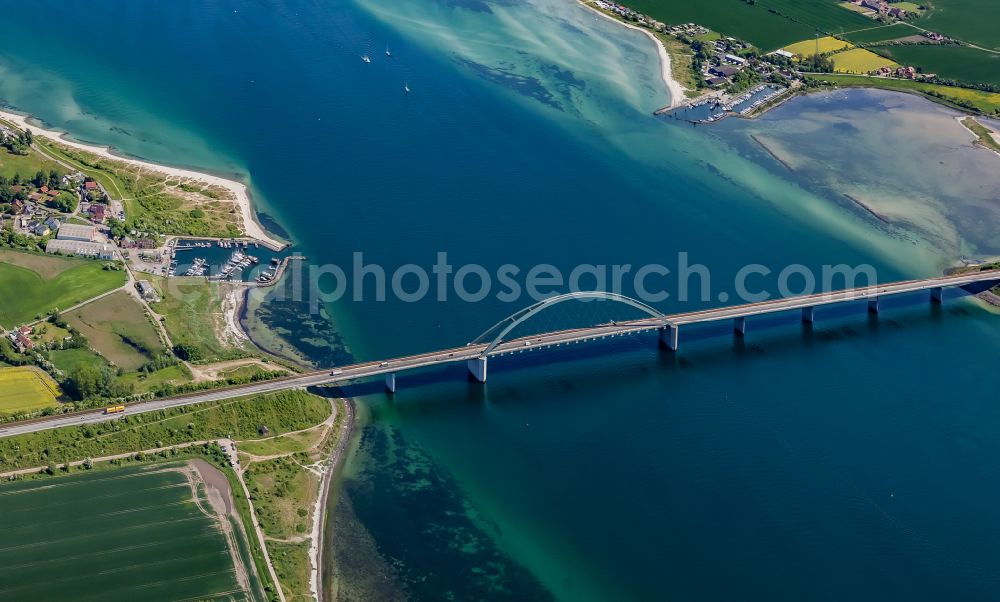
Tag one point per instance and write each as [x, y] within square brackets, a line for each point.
[476, 355]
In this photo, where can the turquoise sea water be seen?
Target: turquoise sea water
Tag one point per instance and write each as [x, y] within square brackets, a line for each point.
[853, 460]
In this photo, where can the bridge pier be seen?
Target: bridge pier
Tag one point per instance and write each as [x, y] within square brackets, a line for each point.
[390, 382]
[873, 305]
[669, 336]
[740, 326]
[808, 315]
[477, 368]
[937, 294]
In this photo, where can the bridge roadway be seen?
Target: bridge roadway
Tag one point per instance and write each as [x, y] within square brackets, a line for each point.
[473, 354]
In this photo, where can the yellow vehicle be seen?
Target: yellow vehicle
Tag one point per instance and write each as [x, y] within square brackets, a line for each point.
[114, 409]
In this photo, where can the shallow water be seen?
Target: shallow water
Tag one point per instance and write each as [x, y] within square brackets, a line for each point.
[906, 161]
[797, 464]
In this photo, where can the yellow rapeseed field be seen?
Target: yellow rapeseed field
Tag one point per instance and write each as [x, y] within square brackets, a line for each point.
[861, 61]
[26, 388]
[808, 47]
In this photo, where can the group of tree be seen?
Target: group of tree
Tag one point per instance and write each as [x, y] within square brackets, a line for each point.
[14, 240]
[51, 179]
[93, 382]
[817, 63]
[117, 227]
[7, 194]
[19, 143]
[65, 202]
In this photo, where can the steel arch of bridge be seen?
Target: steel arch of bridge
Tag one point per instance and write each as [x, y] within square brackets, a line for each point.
[522, 316]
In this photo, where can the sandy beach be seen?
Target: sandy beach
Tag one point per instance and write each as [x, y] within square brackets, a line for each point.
[975, 137]
[250, 225]
[674, 88]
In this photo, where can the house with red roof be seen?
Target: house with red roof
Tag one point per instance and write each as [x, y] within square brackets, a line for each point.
[97, 212]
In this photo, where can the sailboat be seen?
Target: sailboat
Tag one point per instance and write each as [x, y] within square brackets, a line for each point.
[366, 58]
[387, 53]
[406, 88]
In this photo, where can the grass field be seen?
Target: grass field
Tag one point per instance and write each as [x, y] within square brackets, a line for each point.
[983, 134]
[825, 45]
[35, 284]
[137, 533]
[155, 202]
[911, 7]
[26, 165]
[239, 418]
[193, 313]
[68, 359]
[25, 389]
[987, 102]
[143, 383]
[117, 328]
[860, 61]
[854, 7]
[285, 444]
[950, 62]
[284, 492]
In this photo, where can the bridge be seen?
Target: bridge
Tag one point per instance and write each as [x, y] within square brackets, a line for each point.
[495, 342]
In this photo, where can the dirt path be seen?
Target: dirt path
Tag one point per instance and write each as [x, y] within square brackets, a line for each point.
[124, 287]
[212, 371]
[220, 500]
[324, 469]
[319, 511]
[229, 445]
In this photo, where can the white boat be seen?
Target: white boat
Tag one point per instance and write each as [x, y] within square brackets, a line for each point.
[387, 53]
[406, 88]
[366, 58]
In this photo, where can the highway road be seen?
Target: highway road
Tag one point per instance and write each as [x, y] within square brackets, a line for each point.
[476, 351]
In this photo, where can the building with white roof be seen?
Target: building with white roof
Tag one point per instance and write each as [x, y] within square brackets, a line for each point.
[77, 232]
[95, 250]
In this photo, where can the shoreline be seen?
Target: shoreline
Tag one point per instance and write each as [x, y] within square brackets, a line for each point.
[251, 227]
[674, 88]
[321, 512]
[976, 141]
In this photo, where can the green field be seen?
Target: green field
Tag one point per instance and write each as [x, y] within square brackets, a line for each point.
[974, 21]
[68, 359]
[239, 418]
[155, 202]
[26, 165]
[25, 389]
[35, 284]
[192, 311]
[117, 328]
[128, 534]
[987, 102]
[143, 382]
[950, 62]
[881, 34]
[768, 24]
[983, 134]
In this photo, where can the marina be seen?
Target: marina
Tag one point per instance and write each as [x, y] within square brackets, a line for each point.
[223, 260]
[711, 109]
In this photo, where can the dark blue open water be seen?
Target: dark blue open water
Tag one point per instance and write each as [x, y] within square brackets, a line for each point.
[855, 460]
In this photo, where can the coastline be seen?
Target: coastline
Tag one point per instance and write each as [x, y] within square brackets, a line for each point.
[321, 514]
[251, 227]
[674, 88]
[975, 135]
